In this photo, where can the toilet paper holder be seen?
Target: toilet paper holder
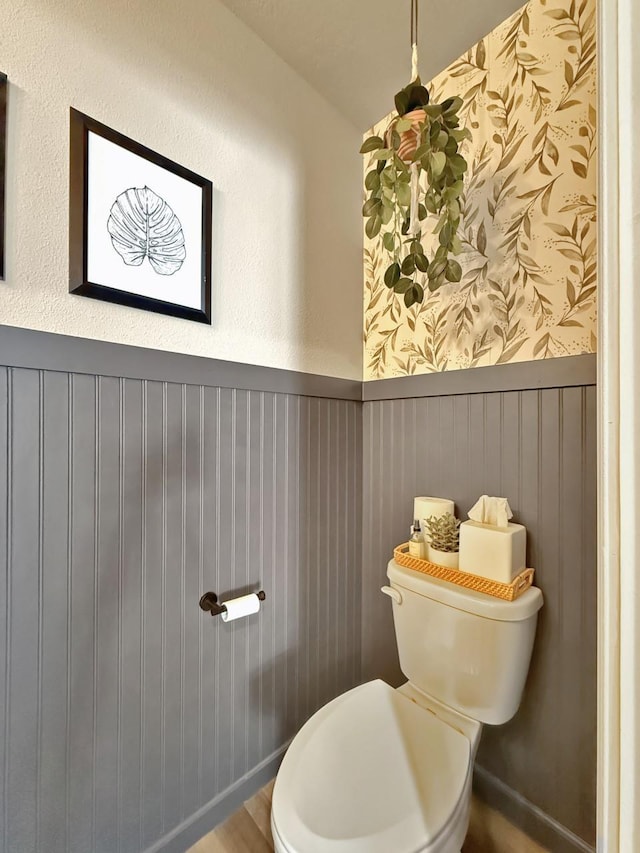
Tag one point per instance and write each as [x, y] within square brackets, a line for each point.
[209, 601]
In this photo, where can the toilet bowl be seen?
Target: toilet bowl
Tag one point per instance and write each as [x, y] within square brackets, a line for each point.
[384, 770]
[373, 772]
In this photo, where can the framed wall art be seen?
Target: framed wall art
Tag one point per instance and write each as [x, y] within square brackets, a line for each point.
[3, 149]
[139, 225]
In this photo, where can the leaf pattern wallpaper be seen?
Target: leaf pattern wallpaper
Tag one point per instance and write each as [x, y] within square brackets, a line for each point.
[528, 229]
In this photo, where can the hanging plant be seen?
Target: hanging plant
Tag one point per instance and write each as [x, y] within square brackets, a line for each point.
[420, 146]
[417, 171]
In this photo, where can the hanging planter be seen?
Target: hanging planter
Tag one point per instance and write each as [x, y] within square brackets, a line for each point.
[416, 172]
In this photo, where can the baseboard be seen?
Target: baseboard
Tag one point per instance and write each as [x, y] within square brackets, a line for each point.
[214, 812]
[526, 816]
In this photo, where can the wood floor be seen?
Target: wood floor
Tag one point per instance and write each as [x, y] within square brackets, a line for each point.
[246, 831]
[249, 831]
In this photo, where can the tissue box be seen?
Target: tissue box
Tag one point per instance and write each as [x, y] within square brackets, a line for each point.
[497, 553]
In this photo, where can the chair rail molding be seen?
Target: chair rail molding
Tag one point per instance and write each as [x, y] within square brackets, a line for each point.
[619, 431]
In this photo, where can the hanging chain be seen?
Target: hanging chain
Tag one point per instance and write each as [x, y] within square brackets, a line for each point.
[414, 39]
[414, 22]
[414, 224]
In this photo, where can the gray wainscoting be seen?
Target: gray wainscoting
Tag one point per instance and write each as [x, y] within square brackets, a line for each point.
[537, 447]
[125, 710]
[131, 721]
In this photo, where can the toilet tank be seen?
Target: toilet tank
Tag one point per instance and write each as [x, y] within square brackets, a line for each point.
[466, 649]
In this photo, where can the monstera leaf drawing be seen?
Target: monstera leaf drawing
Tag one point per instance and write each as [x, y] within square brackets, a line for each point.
[142, 225]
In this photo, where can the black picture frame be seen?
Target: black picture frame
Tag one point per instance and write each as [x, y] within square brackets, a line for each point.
[3, 160]
[80, 127]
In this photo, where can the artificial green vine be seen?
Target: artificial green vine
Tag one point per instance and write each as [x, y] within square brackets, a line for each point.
[387, 208]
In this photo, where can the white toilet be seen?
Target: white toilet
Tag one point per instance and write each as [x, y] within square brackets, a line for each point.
[379, 770]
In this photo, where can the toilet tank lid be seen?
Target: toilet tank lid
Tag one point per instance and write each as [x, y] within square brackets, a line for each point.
[486, 606]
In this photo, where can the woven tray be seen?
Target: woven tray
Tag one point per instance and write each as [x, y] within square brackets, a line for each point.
[507, 591]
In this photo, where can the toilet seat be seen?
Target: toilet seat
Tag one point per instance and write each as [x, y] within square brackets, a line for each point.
[371, 772]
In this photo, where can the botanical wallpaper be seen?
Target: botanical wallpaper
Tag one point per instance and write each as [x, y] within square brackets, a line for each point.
[528, 228]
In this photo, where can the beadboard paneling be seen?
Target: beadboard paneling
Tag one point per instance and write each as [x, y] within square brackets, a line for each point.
[538, 448]
[125, 709]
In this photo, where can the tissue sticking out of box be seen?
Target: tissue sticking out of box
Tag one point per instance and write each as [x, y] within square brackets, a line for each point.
[493, 511]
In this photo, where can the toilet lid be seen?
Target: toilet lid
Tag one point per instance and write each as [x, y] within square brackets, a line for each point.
[369, 773]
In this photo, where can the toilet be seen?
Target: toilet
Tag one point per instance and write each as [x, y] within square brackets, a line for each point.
[384, 770]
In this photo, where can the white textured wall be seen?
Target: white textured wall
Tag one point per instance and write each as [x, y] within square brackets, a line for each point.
[190, 81]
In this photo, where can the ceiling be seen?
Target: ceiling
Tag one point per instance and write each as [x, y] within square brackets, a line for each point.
[356, 52]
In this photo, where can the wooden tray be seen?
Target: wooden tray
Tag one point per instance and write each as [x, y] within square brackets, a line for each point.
[507, 591]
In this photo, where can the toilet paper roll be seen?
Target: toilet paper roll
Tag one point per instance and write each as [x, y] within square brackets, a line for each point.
[425, 507]
[245, 605]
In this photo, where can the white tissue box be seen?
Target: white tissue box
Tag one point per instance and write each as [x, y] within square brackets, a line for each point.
[497, 553]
